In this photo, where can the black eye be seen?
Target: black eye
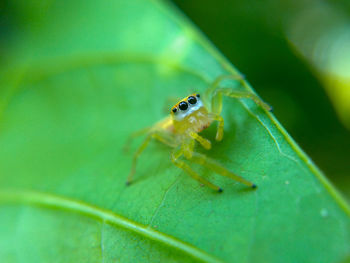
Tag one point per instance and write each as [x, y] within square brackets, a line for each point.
[192, 100]
[198, 96]
[174, 110]
[183, 105]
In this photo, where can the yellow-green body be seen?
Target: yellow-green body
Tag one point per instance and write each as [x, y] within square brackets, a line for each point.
[195, 122]
[180, 131]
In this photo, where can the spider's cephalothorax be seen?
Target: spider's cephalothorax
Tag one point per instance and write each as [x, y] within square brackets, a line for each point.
[180, 131]
[190, 115]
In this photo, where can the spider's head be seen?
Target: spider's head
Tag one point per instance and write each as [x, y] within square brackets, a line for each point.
[186, 107]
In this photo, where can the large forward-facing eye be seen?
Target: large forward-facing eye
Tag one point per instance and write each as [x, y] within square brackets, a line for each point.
[192, 100]
[183, 105]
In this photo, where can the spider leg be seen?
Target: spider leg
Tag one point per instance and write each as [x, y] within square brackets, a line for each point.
[216, 101]
[187, 147]
[187, 169]
[219, 169]
[204, 142]
[215, 84]
[162, 137]
[136, 156]
[220, 128]
[133, 136]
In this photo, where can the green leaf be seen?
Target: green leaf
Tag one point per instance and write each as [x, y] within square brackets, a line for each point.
[77, 79]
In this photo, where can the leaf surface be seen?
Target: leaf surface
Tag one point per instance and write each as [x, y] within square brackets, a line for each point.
[79, 78]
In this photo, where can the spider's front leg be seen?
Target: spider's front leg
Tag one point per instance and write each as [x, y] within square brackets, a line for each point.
[220, 128]
[137, 154]
[218, 93]
[133, 136]
[204, 142]
[188, 143]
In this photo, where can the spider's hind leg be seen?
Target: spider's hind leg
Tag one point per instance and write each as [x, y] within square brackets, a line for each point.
[219, 169]
[187, 169]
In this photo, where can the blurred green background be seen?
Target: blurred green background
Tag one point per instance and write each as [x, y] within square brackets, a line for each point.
[296, 55]
[78, 100]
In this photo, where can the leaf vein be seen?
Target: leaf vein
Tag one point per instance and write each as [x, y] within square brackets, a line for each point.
[162, 201]
[57, 202]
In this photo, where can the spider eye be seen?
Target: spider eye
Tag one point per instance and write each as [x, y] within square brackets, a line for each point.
[198, 96]
[174, 110]
[183, 105]
[192, 100]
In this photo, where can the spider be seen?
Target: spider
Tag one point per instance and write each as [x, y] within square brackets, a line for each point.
[180, 131]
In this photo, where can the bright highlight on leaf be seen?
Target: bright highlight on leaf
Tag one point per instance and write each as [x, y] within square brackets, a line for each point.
[79, 78]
